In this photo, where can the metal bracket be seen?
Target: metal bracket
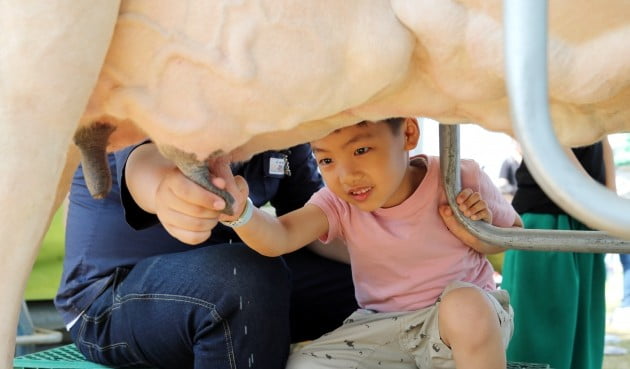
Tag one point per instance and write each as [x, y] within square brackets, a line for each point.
[516, 238]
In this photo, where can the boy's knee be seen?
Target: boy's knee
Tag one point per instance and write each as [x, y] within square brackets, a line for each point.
[466, 312]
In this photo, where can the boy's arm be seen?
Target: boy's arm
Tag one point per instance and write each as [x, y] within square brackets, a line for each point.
[265, 233]
[274, 236]
[472, 205]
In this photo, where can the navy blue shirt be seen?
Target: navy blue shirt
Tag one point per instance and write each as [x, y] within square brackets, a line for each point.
[102, 235]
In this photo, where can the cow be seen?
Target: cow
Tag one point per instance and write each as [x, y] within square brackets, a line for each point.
[208, 79]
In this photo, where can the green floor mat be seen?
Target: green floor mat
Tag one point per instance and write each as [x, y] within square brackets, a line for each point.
[66, 357]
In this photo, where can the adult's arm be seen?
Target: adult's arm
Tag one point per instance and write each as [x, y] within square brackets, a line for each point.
[135, 215]
[151, 184]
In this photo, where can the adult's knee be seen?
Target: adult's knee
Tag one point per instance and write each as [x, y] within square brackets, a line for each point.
[225, 274]
[241, 270]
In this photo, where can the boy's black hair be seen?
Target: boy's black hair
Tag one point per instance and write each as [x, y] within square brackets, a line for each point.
[394, 124]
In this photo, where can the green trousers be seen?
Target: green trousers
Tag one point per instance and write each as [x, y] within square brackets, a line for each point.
[558, 300]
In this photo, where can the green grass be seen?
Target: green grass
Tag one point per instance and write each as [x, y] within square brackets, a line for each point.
[44, 279]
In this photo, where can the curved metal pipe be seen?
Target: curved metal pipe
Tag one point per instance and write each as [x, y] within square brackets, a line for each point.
[516, 238]
[526, 74]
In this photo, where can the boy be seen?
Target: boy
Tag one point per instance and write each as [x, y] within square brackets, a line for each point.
[427, 294]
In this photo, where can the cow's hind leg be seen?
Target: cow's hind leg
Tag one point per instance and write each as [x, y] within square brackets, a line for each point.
[28, 184]
[52, 53]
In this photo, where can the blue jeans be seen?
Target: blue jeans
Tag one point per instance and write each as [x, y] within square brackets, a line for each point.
[625, 262]
[221, 306]
[216, 307]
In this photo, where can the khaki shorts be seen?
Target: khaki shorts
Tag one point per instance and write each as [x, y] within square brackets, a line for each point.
[409, 340]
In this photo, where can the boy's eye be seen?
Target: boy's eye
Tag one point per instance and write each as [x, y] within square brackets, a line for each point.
[361, 150]
[324, 161]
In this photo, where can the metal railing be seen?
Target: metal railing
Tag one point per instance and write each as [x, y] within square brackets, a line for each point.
[516, 238]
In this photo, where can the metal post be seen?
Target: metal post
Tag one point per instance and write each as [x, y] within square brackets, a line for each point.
[516, 238]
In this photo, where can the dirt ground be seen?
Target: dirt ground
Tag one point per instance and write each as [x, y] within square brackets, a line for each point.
[619, 361]
[614, 288]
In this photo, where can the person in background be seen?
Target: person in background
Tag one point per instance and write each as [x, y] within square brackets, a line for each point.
[132, 294]
[506, 182]
[507, 173]
[558, 297]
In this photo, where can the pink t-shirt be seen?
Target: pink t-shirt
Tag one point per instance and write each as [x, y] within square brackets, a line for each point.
[404, 256]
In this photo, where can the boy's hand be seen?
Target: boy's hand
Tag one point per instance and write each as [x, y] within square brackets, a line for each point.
[471, 205]
[235, 185]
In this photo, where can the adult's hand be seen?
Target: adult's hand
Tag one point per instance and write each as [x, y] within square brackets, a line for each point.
[187, 211]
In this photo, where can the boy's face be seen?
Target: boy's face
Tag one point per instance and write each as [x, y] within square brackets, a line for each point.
[367, 164]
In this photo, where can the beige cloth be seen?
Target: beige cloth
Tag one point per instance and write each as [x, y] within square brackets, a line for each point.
[409, 340]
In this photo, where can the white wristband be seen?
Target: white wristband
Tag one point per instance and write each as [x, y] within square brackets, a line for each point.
[245, 216]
